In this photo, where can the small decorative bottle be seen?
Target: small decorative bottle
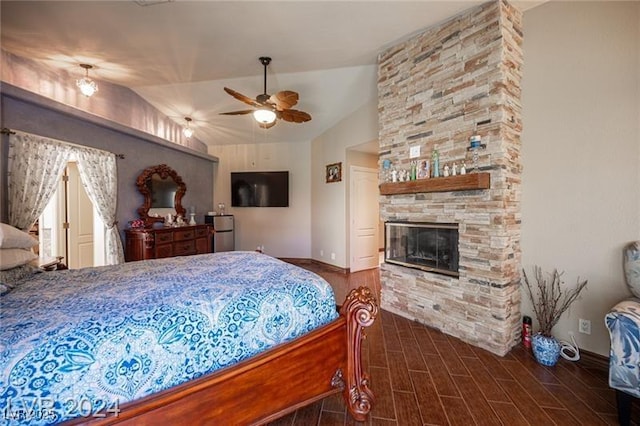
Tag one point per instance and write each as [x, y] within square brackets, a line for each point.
[454, 169]
[386, 170]
[413, 171]
[445, 172]
[463, 169]
[436, 163]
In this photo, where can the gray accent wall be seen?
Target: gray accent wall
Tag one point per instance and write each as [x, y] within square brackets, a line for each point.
[34, 114]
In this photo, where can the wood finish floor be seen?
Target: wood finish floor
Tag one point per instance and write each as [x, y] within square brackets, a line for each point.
[421, 376]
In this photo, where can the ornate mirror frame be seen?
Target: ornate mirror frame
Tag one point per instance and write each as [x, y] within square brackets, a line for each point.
[142, 183]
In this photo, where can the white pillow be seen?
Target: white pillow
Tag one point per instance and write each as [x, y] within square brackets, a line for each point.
[11, 237]
[10, 258]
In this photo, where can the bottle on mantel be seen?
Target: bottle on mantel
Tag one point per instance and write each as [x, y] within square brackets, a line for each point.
[436, 162]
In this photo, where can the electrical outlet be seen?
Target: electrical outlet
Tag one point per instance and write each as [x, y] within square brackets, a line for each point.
[414, 151]
[584, 326]
[321, 253]
[333, 256]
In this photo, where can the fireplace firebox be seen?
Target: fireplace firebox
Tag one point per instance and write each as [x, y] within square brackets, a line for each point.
[431, 247]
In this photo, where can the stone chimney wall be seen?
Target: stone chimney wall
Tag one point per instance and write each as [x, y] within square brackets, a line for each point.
[437, 89]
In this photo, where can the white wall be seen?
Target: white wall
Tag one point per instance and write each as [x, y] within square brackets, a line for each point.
[581, 152]
[316, 218]
[284, 231]
[329, 200]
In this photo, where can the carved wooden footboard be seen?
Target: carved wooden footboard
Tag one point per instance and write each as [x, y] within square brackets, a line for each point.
[272, 384]
[360, 310]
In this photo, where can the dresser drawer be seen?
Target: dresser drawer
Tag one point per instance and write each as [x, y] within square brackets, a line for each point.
[182, 248]
[203, 245]
[182, 235]
[202, 232]
[164, 237]
[164, 250]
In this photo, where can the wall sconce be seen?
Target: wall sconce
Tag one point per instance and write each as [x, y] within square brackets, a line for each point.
[187, 131]
[87, 86]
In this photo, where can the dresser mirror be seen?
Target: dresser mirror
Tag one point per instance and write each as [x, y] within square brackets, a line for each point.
[162, 189]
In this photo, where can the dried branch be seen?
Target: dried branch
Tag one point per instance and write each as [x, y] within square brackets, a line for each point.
[549, 299]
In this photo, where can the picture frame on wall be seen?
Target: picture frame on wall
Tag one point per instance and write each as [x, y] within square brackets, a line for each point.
[334, 172]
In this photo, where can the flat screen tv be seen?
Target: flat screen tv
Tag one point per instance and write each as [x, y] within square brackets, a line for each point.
[260, 189]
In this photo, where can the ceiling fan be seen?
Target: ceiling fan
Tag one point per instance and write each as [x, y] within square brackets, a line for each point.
[268, 108]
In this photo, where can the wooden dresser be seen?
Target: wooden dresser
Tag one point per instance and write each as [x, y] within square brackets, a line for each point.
[144, 244]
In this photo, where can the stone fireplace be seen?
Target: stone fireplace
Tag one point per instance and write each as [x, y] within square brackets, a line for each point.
[436, 90]
[429, 247]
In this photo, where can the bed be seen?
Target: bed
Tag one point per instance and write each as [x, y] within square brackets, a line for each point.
[223, 338]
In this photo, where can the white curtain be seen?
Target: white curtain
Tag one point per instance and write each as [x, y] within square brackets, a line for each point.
[35, 166]
[100, 180]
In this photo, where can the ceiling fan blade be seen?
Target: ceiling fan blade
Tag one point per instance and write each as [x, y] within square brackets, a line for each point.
[244, 111]
[267, 125]
[242, 98]
[293, 115]
[284, 99]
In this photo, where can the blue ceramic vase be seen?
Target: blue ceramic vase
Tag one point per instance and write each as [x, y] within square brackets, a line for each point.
[546, 349]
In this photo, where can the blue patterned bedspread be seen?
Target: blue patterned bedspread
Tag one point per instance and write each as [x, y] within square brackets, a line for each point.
[82, 342]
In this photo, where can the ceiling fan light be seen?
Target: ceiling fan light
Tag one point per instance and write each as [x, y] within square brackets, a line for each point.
[264, 116]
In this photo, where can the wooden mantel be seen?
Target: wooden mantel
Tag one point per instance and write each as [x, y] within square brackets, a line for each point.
[470, 181]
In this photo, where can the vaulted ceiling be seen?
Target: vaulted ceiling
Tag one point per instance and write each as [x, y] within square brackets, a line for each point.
[179, 55]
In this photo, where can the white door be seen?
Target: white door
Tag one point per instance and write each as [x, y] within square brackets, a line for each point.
[364, 207]
[80, 221]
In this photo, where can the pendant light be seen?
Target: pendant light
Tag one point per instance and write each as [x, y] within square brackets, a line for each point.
[87, 86]
[187, 131]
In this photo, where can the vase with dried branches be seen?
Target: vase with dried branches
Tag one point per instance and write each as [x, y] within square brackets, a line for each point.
[550, 299]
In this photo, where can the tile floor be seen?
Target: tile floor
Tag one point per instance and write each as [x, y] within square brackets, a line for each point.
[423, 377]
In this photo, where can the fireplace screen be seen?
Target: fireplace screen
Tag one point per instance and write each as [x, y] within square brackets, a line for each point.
[431, 247]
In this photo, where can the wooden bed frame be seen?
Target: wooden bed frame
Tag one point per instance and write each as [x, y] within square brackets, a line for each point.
[272, 384]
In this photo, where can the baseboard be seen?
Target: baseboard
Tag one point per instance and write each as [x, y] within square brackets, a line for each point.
[593, 360]
[297, 260]
[305, 261]
[333, 268]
